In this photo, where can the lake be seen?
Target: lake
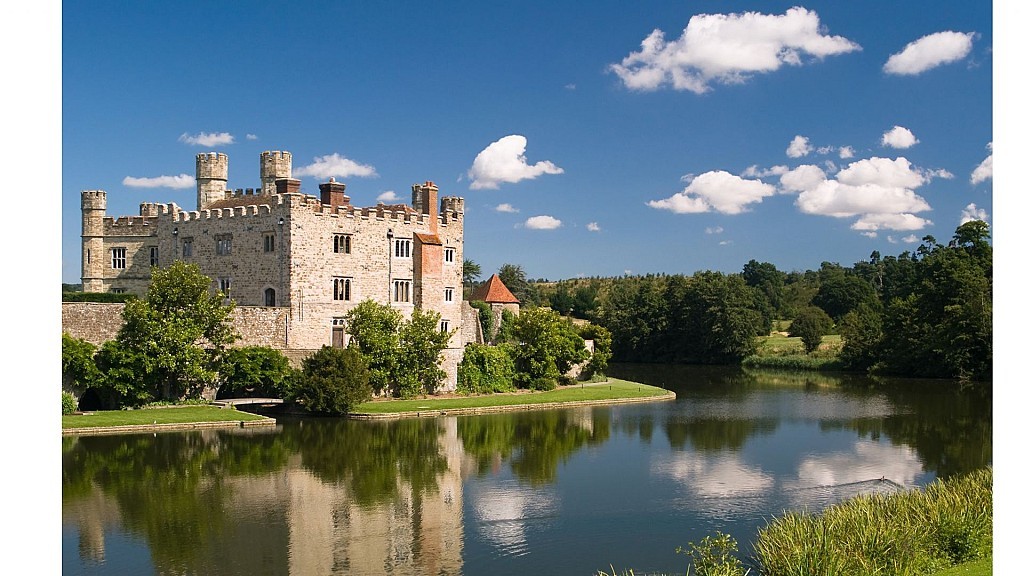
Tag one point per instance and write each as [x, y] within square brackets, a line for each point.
[555, 491]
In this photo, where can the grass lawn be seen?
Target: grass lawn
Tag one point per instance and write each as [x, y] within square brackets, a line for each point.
[981, 567]
[170, 415]
[777, 344]
[613, 389]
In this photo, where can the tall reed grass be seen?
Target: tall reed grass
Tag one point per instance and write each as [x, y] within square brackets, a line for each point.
[909, 533]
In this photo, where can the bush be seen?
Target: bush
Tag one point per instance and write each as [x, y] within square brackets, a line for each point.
[486, 318]
[77, 362]
[255, 372]
[332, 381]
[104, 297]
[68, 404]
[486, 369]
[810, 325]
[602, 350]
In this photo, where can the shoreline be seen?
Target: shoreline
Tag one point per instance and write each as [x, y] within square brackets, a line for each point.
[173, 427]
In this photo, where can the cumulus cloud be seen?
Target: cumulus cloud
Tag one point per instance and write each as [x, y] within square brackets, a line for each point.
[178, 182]
[933, 173]
[728, 49]
[251, 137]
[756, 172]
[899, 137]
[593, 227]
[929, 52]
[879, 192]
[387, 197]
[505, 161]
[715, 230]
[984, 170]
[799, 147]
[204, 139]
[543, 223]
[911, 239]
[334, 166]
[846, 152]
[972, 212]
[717, 191]
[506, 207]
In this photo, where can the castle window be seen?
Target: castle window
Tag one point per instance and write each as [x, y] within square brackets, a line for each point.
[117, 291]
[223, 244]
[444, 326]
[268, 242]
[402, 291]
[338, 332]
[449, 294]
[403, 248]
[449, 255]
[225, 287]
[269, 297]
[186, 248]
[342, 243]
[118, 258]
[154, 256]
[343, 289]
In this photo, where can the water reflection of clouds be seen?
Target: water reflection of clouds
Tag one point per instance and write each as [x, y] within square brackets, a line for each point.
[504, 511]
[714, 476]
[868, 461]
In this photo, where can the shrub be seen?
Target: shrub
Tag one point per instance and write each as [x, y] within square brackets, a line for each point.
[714, 556]
[77, 361]
[810, 325]
[68, 404]
[602, 350]
[332, 381]
[104, 297]
[255, 372]
[486, 369]
[486, 318]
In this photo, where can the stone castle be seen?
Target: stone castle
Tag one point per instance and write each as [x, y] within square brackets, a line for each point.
[309, 258]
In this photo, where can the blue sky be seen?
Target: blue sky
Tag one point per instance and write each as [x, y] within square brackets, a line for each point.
[623, 137]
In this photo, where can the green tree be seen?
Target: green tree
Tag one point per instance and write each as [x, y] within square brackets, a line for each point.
[419, 361]
[514, 278]
[486, 318]
[486, 369]
[255, 372]
[714, 318]
[176, 336]
[561, 300]
[333, 380]
[766, 278]
[374, 328]
[77, 364]
[841, 291]
[470, 275]
[810, 325]
[861, 331]
[602, 354]
[545, 346]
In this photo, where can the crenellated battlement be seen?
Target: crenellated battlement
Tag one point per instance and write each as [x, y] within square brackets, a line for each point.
[94, 200]
[453, 204]
[213, 165]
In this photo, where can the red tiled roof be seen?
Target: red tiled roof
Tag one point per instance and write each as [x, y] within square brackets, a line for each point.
[494, 291]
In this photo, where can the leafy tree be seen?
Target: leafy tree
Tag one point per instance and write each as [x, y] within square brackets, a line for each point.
[561, 300]
[766, 278]
[171, 343]
[77, 364]
[486, 369]
[486, 318]
[255, 372]
[374, 328]
[514, 278]
[841, 291]
[715, 318]
[333, 380]
[420, 345]
[584, 302]
[861, 331]
[602, 350]
[470, 275]
[545, 346]
[125, 374]
[811, 325]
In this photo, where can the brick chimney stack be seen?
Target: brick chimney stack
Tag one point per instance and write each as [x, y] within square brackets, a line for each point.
[287, 186]
[333, 194]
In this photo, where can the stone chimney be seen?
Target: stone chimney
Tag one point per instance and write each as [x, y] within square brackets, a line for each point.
[287, 186]
[333, 194]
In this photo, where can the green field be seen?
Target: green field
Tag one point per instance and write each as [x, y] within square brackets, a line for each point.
[169, 415]
[613, 389]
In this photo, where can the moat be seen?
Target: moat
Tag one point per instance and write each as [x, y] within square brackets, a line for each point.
[559, 491]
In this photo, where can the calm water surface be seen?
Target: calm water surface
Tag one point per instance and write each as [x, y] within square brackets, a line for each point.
[539, 492]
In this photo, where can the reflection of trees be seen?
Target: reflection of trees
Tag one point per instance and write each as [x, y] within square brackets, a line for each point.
[372, 457]
[169, 487]
[641, 425]
[950, 429]
[714, 434]
[536, 442]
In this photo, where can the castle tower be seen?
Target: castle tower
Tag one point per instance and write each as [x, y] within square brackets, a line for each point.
[424, 200]
[94, 209]
[211, 178]
[274, 166]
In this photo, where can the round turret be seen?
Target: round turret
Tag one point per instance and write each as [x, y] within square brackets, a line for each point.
[211, 178]
[274, 165]
[94, 210]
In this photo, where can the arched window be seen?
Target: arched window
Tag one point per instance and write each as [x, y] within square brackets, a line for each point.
[269, 297]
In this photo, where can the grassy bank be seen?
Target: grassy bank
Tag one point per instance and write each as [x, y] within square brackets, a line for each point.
[613, 389]
[167, 415]
[781, 352]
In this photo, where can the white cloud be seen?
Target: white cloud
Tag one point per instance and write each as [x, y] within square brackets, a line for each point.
[335, 166]
[972, 212]
[506, 207]
[899, 137]
[870, 234]
[728, 49]
[910, 239]
[799, 147]
[879, 192]
[756, 172]
[178, 182]
[543, 223]
[715, 230]
[725, 242]
[929, 52]
[825, 150]
[204, 139]
[593, 227]
[505, 161]
[846, 152]
[933, 173]
[718, 191]
[251, 137]
[387, 196]
[984, 170]
[570, 86]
